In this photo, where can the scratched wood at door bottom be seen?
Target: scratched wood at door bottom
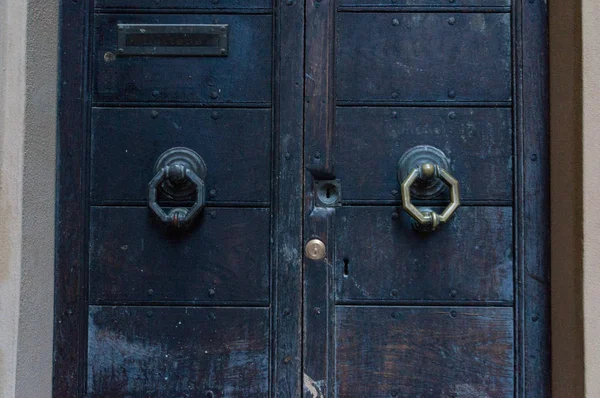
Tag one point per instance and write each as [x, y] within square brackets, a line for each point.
[424, 352]
[185, 4]
[178, 352]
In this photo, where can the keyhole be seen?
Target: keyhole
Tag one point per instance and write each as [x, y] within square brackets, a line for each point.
[346, 267]
[328, 193]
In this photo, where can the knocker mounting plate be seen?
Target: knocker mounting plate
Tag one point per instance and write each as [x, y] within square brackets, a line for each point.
[185, 188]
[416, 156]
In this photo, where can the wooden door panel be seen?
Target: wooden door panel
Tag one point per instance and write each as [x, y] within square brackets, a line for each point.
[424, 352]
[223, 258]
[308, 95]
[369, 142]
[185, 4]
[424, 3]
[380, 257]
[178, 352]
[234, 143]
[243, 76]
[394, 57]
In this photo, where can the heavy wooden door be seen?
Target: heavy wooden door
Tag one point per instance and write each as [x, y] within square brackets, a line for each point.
[330, 198]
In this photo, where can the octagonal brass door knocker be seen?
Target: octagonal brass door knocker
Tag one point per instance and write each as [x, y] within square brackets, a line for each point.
[427, 220]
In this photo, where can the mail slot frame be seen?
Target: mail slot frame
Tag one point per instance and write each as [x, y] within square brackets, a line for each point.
[221, 31]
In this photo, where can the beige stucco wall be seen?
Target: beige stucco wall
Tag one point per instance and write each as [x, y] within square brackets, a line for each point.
[591, 194]
[27, 141]
[28, 70]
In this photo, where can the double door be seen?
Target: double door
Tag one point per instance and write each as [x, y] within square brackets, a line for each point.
[331, 198]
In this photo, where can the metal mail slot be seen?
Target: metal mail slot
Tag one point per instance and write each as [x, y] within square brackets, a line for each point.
[182, 40]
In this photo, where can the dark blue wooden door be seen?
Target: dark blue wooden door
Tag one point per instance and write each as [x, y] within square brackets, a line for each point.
[234, 212]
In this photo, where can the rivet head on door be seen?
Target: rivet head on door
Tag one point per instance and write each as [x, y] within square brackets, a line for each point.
[315, 249]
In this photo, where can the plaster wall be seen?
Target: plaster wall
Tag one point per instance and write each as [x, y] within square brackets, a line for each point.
[28, 69]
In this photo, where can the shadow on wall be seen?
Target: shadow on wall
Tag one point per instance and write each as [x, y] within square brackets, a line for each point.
[567, 197]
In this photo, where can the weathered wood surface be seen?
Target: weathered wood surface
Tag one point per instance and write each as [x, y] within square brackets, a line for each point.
[229, 5]
[234, 143]
[178, 352]
[533, 209]
[425, 3]
[379, 256]
[429, 59]
[370, 141]
[70, 277]
[243, 76]
[286, 337]
[319, 163]
[223, 258]
[393, 57]
[424, 352]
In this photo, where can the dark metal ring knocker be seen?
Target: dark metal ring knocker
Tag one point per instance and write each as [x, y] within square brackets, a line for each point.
[180, 172]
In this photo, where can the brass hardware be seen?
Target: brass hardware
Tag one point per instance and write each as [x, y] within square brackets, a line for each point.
[428, 220]
[315, 249]
[426, 188]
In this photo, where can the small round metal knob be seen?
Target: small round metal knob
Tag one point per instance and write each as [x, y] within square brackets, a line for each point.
[427, 171]
[315, 249]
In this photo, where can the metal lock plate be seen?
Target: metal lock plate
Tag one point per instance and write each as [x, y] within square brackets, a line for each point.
[315, 249]
[328, 193]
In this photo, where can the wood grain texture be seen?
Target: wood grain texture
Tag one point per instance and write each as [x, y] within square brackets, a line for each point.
[234, 143]
[533, 214]
[378, 257]
[223, 258]
[287, 201]
[370, 141]
[185, 4]
[70, 278]
[319, 162]
[404, 58]
[424, 352]
[396, 57]
[243, 76]
[178, 352]
[425, 3]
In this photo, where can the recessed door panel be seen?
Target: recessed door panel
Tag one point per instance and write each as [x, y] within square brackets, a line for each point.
[424, 352]
[234, 143]
[185, 4]
[425, 3]
[394, 57]
[369, 143]
[380, 257]
[222, 258]
[243, 76]
[178, 352]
